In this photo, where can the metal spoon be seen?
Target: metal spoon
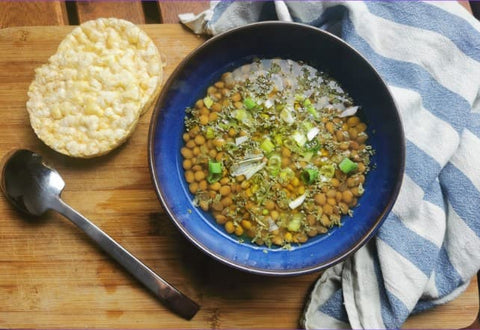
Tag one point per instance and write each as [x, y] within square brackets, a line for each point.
[34, 188]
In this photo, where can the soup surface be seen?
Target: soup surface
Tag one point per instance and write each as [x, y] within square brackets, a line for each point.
[276, 152]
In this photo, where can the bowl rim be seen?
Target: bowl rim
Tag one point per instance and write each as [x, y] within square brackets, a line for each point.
[261, 271]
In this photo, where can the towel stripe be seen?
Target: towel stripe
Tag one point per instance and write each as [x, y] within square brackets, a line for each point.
[462, 244]
[395, 266]
[432, 129]
[422, 168]
[395, 234]
[462, 195]
[437, 99]
[425, 16]
[392, 308]
[465, 159]
[334, 307]
[434, 195]
[446, 276]
[422, 217]
[438, 55]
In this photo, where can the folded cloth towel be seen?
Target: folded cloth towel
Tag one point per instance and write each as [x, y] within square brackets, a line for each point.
[428, 248]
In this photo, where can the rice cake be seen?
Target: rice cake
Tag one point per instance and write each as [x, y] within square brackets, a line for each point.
[87, 99]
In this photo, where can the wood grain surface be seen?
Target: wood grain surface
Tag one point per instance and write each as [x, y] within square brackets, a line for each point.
[129, 10]
[27, 13]
[52, 276]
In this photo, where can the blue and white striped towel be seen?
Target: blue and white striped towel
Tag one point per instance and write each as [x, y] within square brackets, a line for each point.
[428, 249]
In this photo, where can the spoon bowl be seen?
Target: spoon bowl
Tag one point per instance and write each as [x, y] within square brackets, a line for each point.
[29, 183]
[34, 188]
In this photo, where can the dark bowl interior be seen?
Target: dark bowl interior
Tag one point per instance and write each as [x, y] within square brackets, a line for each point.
[323, 51]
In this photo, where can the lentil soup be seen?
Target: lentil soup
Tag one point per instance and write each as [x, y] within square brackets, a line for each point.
[276, 152]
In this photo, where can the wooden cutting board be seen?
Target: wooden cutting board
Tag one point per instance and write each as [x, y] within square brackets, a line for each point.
[52, 276]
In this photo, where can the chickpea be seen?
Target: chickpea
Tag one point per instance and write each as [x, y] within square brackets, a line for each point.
[269, 205]
[286, 152]
[204, 112]
[361, 127]
[353, 133]
[331, 201]
[217, 107]
[190, 144]
[246, 224]
[225, 190]
[227, 201]
[212, 153]
[331, 193]
[238, 105]
[229, 227]
[189, 176]
[339, 196]
[274, 215]
[236, 97]
[218, 143]
[204, 119]
[203, 185]
[217, 206]
[199, 104]
[325, 221]
[330, 127]
[203, 205]
[362, 137]
[339, 135]
[193, 187]
[185, 137]
[239, 231]
[215, 186]
[343, 208]
[320, 199]
[211, 90]
[186, 152]
[212, 116]
[334, 182]
[277, 240]
[220, 219]
[187, 164]
[224, 180]
[347, 196]
[328, 209]
[219, 84]
[199, 140]
[199, 176]
[196, 151]
[361, 167]
[353, 121]
[312, 232]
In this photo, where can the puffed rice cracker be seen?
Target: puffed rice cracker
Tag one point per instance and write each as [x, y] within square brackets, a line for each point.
[88, 98]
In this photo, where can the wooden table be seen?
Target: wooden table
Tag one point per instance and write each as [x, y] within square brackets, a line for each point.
[52, 276]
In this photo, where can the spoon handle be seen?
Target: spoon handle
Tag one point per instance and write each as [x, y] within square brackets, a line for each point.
[170, 296]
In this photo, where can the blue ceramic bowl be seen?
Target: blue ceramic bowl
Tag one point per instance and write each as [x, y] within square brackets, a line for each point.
[323, 51]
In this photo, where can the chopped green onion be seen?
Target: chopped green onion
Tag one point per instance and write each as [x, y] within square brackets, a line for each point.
[309, 175]
[286, 175]
[210, 134]
[295, 222]
[346, 166]
[312, 111]
[243, 116]
[287, 116]
[307, 102]
[214, 171]
[208, 102]
[300, 138]
[327, 171]
[274, 164]
[313, 145]
[267, 146]
[249, 103]
[278, 139]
